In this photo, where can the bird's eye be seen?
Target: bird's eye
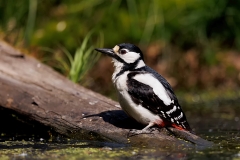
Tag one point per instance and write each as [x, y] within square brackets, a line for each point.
[123, 51]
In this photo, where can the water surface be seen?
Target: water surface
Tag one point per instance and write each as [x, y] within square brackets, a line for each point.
[214, 122]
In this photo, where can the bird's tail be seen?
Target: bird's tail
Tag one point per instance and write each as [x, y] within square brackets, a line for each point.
[191, 137]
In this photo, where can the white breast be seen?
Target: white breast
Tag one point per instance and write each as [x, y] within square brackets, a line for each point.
[139, 113]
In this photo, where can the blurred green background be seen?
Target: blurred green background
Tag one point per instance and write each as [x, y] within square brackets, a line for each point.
[193, 43]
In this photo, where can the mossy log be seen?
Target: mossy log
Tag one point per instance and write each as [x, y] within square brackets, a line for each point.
[36, 91]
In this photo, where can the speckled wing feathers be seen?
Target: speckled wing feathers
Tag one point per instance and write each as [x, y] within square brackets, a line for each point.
[144, 94]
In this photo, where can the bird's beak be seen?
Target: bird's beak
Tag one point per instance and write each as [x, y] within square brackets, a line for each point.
[109, 52]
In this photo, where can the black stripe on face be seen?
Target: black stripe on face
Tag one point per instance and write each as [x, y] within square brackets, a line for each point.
[128, 67]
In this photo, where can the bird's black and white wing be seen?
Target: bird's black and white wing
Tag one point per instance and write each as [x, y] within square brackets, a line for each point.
[163, 81]
[146, 89]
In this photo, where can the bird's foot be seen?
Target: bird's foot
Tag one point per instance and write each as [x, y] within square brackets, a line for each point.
[134, 132]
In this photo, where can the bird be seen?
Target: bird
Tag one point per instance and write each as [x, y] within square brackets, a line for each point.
[143, 93]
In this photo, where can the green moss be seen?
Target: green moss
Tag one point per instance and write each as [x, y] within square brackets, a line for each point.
[84, 150]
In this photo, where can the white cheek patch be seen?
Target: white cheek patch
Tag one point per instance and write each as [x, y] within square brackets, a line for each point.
[116, 49]
[129, 57]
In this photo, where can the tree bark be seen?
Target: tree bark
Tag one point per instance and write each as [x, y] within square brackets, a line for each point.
[35, 90]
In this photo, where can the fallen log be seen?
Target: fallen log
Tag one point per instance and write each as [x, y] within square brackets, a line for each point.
[36, 91]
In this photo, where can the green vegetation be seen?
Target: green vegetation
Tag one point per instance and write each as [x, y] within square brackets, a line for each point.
[201, 37]
[185, 23]
[83, 60]
[193, 43]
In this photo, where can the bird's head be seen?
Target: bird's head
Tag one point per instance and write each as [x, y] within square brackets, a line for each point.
[125, 54]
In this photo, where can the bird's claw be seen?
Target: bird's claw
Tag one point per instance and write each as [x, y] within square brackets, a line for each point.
[134, 132]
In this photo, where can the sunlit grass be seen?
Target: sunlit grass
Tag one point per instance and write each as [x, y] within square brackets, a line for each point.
[85, 57]
[76, 65]
[175, 27]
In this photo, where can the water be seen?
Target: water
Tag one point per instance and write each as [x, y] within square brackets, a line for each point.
[219, 124]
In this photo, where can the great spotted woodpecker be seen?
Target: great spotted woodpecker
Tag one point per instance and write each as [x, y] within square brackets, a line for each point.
[143, 93]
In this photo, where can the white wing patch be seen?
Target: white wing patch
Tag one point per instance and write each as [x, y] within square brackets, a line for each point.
[158, 88]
